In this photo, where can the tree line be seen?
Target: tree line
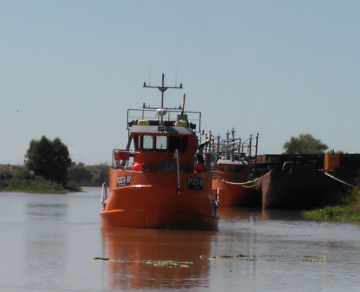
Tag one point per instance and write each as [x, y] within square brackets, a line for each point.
[88, 175]
[50, 160]
[307, 144]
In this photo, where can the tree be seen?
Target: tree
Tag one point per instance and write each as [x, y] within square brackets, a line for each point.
[49, 159]
[101, 175]
[304, 144]
[79, 173]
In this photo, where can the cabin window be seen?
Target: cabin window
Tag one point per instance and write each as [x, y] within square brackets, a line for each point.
[184, 143]
[174, 143]
[160, 143]
[147, 142]
[177, 142]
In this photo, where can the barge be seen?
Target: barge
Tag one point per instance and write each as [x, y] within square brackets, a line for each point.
[305, 181]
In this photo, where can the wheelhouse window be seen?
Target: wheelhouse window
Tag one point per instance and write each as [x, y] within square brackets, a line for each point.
[161, 143]
[177, 142]
[174, 142]
[184, 143]
[147, 142]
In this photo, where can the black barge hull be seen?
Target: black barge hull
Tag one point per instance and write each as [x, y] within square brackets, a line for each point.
[300, 182]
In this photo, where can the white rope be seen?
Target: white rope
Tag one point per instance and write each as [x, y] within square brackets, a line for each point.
[254, 182]
[333, 177]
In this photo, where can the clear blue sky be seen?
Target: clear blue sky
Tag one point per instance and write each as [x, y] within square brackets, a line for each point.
[70, 69]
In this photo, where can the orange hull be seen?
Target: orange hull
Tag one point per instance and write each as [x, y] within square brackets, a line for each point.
[152, 200]
[229, 195]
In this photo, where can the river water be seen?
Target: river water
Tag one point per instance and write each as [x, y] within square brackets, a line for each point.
[48, 243]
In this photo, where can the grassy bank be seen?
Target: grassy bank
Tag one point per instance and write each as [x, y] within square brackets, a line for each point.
[349, 212]
[37, 185]
[23, 180]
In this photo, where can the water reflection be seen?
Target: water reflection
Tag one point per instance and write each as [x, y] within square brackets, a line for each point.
[258, 214]
[46, 209]
[45, 242]
[138, 245]
[288, 215]
[237, 213]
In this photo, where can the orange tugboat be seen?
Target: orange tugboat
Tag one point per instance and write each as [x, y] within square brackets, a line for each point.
[155, 182]
[230, 185]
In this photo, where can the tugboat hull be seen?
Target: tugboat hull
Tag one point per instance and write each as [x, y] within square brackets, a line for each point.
[233, 195]
[153, 207]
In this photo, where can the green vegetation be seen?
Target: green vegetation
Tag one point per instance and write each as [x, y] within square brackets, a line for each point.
[88, 175]
[23, 180]
[48, 169]
[38, 185]
[350, 211]
[49, 159]
[304, 144]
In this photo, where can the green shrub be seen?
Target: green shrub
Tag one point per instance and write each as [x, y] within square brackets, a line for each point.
[36, 185]
[348, 212]
[73, 187]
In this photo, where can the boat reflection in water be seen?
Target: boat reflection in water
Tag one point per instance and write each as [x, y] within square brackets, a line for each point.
[284, 215]
[229, 215]
[156, 258]
[237, 214]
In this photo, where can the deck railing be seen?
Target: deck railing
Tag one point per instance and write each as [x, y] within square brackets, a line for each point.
[193, 117]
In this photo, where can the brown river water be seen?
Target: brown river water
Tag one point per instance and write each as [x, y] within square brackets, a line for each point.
[49, 242]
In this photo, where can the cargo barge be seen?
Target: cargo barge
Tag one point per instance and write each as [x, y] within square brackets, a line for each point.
[306, 181]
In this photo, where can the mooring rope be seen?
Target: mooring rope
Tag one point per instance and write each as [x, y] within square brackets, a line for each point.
[248, 184]
[255, 182]
[333, 177]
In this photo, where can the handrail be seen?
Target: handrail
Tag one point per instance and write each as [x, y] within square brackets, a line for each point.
[149, 114]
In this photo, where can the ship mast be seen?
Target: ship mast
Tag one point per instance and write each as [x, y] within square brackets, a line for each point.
[163, 88]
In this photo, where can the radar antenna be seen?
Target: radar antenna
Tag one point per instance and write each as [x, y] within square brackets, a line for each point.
[163, 88]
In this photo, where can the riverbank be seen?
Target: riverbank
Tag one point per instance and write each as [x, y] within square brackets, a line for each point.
[36, 185]
[349, 212]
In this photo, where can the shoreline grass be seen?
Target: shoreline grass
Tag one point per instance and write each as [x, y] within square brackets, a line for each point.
[23, 180]
[38, 185]
[348, 212]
